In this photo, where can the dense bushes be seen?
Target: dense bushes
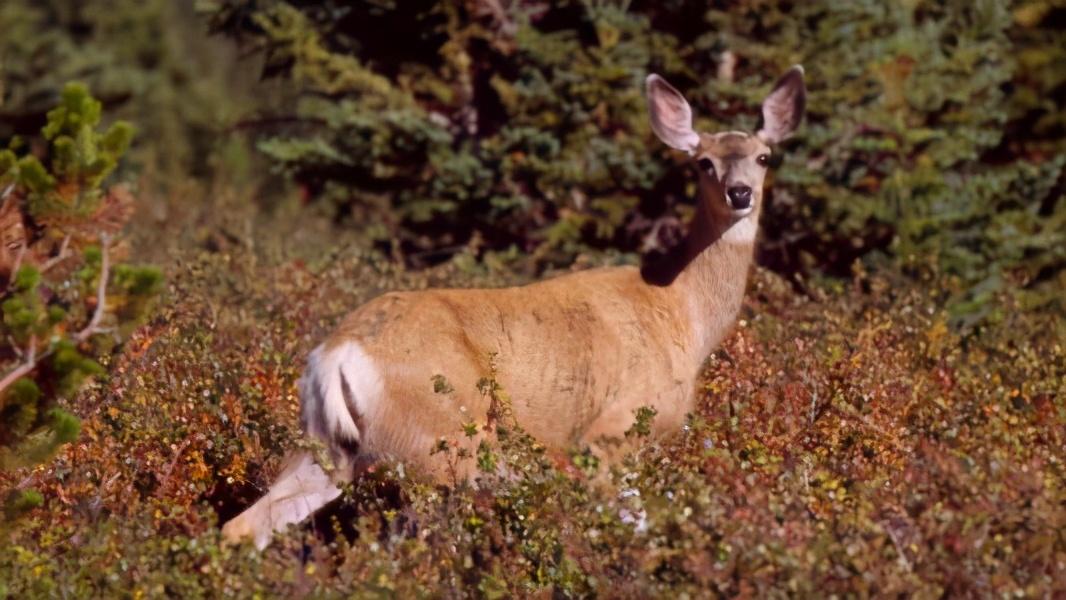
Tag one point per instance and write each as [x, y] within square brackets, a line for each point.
[66, 294]
[934, 129]
[845, 442]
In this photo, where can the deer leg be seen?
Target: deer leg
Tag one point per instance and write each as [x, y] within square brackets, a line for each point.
[301, 489]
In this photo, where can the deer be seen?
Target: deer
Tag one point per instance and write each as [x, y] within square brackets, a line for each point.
[578, 354]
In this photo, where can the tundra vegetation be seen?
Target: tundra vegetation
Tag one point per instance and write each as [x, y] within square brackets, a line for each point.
[889, 416]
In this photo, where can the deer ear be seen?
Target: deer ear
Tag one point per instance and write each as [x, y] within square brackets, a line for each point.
[671, 116]
[782, 110]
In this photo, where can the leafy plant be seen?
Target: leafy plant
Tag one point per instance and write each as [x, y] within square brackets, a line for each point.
[67, 297]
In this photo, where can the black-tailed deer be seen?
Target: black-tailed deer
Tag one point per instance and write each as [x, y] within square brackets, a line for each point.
[578, 354]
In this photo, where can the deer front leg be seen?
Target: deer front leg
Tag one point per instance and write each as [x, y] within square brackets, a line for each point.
[302, 488]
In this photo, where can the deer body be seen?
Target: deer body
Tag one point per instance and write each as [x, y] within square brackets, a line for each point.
[577, 354]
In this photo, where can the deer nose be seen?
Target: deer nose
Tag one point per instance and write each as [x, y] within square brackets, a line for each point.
[739, 197]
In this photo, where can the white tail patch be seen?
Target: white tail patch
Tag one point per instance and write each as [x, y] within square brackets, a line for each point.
[340, 392]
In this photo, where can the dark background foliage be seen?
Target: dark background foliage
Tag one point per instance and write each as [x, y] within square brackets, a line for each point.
[934, 130]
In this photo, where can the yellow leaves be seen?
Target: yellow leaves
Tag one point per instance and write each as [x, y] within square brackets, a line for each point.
[1030, 14]
[893, 74]
[937, 338]
[197, 468]
[608, 34]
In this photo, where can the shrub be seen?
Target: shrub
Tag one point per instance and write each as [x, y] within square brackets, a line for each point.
[66, 296]
[845, 442]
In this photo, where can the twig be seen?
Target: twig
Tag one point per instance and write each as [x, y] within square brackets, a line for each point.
[902, 556]
[101, 293]
[51, 262]
[18, 265]
[14, 347]
[24, 368]
[173, 461]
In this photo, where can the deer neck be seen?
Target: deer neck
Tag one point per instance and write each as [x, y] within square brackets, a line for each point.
[718, 255]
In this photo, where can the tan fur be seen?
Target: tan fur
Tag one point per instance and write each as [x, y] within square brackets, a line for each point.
[577, 354]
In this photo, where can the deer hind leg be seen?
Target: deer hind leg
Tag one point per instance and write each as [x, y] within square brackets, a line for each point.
[302, 488]
[339, 386]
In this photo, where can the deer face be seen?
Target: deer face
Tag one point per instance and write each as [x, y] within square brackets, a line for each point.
[732, 167]
[732, 164]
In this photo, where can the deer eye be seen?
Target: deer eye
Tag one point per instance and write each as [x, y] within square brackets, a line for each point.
[763, 160]
[706, 164]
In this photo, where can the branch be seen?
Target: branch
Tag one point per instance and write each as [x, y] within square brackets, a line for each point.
[25, 368]
[101, 294]
[51, 262]
[15, 268]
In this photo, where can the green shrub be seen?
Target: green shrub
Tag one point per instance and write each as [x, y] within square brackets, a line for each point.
[441, 127]
[65, 297]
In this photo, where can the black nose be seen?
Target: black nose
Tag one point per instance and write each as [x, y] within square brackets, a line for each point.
[739, 196]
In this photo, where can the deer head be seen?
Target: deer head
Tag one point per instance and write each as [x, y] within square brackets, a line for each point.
[732, 165]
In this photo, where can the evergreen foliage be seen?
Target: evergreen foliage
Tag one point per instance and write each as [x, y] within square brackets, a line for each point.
[443, 126]
[64, 300]
[147, 61]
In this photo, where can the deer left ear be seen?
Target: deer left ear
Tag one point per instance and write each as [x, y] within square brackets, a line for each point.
[671, 116]
[782, 110]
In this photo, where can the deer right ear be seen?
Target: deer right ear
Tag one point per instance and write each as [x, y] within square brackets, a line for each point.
[671, 116]
[783, 109]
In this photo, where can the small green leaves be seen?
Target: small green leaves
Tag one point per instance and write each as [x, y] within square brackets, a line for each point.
[19, 502]
[139, 281]
[642, 424]
[27, 278]
[486, 459]
[18, 408]
[65, 426]
[72, 367]
[32, 174]
[77, 110]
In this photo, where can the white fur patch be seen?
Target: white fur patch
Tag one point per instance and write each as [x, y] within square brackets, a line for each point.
[322, 391]
[743, 231]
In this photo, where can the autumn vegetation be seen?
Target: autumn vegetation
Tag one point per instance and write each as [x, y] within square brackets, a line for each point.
[888, 418]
